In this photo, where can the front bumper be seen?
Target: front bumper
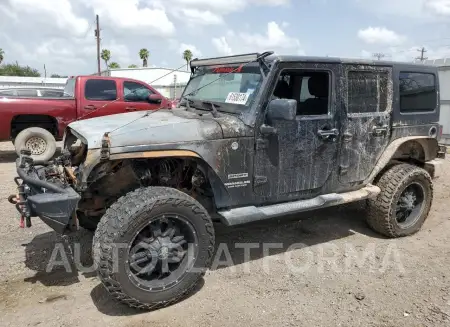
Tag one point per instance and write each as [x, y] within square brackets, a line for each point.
[37, 197]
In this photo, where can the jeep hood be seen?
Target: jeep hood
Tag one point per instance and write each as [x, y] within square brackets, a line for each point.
[157, 127]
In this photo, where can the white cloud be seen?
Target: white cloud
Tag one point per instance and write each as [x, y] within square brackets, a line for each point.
[126, 15]
[380, 35]
[275, 38]
[420, 10]
[241, 42]
[438, 7]
[195, 51]
[221, 45]
[196, 16]
[59, 12]
[208, 12]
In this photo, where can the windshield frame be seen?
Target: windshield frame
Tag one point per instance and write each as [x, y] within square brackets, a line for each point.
[223, 106]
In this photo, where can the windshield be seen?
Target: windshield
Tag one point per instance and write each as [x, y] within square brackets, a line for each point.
[235, 85]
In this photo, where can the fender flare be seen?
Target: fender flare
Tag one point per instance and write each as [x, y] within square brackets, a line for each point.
[391, 150]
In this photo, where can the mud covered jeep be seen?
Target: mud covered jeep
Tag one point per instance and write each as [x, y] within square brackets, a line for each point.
[254, 137]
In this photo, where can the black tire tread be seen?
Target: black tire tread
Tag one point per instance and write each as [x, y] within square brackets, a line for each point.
[116, 216]
[379, 208]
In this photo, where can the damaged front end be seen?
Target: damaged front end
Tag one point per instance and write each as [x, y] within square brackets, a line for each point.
[51, 191]
[45, 191]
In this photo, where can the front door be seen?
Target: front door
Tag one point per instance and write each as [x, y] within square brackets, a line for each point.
[366, 123]
[301, 155]
[136, 95]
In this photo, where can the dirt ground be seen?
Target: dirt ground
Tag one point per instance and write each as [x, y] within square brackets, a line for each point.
[339, 274]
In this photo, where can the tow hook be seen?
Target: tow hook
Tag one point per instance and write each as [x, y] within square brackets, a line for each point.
[20, 206]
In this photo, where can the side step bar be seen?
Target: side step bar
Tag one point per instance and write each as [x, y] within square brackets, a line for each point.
[248, 214]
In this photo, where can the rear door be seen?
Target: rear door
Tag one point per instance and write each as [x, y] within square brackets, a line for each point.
[135, 96]
[365, 130]
[99, 98]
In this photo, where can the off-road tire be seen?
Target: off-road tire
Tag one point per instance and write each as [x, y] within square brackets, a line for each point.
[381, 210]
[126, 216]
[50, 143]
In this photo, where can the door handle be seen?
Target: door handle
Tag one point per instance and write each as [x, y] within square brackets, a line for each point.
[130, 109]
[89, 107]
[379, 131]
[328, 134]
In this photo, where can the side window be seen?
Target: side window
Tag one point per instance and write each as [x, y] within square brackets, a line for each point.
[100, 90]
[7, 93]
[367, 91]
[417, 92]
[311, 90]
[27, 93]
[52, 93]
[136, 92]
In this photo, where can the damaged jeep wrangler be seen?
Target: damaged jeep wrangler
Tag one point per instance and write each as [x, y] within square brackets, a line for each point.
[254, 136]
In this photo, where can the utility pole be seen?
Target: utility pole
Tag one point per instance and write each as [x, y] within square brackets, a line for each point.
[97, 36]
[378, 55]
[422, 52]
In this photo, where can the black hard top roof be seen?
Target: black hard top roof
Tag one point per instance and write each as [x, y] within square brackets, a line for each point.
[358, 61]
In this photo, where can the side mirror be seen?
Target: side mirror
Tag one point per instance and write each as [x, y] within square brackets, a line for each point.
[282, 109]
[154, 98]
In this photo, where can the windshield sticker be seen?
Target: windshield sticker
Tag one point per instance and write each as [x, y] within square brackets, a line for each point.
[237, 98]
[250, 91]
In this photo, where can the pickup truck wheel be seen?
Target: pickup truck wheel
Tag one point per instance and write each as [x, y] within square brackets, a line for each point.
[152, 247]
[39, 141]
[404, 202]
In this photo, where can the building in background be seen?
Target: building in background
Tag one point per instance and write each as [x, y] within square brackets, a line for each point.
[7, 82]
[168, 82]
[444, 83]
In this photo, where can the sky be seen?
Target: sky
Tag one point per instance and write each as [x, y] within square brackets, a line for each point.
[60, 33]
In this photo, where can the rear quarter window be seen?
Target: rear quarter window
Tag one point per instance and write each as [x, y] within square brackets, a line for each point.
[418, 92]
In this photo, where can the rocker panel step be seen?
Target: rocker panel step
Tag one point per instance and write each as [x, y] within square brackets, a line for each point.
[248, 214]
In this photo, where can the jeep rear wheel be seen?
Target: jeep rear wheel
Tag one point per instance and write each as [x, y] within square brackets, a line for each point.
[404, 202]
[152, 247]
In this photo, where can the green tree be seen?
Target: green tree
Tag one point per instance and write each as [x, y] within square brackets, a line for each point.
[144, 54]
[114, 65]
[187, 55]
[17, 70]
[133, 66]
[2, 55]
[106, 56]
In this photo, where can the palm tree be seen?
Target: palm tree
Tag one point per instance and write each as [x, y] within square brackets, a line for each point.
[106, 56]
[132, 66]
[144, 54]
[187, 55]
[2, 55]
[114, 65]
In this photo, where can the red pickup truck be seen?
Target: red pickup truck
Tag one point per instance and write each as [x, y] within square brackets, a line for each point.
[36, 123]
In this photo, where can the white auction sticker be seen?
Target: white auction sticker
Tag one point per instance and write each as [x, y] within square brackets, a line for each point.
[237, 98]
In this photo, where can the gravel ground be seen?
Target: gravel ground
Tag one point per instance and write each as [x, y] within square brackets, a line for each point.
[339, 274]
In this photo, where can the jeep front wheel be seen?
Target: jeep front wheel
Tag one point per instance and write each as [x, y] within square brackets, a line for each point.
[152, 247]
[404, 202]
